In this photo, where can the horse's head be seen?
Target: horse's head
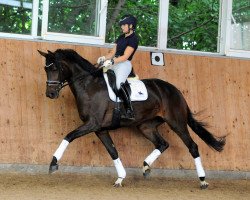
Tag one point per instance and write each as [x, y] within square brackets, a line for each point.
[55, 74]
[66, 65]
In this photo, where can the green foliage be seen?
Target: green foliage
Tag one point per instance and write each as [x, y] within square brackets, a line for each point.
[186, 19]
[193, 24]
[146, 12]
[72, 16]
[15, 19]
[241, 11]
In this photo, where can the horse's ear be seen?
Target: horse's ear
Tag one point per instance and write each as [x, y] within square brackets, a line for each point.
[50, 52]
[42, 53]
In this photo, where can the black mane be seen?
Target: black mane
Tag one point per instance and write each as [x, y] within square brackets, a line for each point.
[73, 56]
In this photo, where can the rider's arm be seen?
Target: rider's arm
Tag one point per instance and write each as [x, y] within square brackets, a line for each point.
[111, 54]
[127, 53]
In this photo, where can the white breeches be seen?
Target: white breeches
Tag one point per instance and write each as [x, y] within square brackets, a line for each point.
[122, 71]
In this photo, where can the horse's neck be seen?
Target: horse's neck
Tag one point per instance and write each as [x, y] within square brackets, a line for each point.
[75, 72]
[82, 80]
[81, 69]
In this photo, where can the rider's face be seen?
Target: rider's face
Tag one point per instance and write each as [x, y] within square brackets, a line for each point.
[125, 28]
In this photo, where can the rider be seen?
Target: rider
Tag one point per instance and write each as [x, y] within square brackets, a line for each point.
[119, 59]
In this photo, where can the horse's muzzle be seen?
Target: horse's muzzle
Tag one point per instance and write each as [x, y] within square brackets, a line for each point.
[52, 94]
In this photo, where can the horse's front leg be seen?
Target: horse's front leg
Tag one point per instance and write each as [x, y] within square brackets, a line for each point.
[109, 145]
[80, 131]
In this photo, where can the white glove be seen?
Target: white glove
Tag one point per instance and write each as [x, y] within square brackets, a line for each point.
[100, 60]
[108, 63]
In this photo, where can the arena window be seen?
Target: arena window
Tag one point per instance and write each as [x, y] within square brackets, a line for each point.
[220, 27]
[236, 28]
[19, 19]
[74, 21]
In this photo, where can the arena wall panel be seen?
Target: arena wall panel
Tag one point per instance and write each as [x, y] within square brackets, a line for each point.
[32, 125]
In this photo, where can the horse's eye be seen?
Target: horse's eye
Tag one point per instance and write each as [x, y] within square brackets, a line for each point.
[53, 67]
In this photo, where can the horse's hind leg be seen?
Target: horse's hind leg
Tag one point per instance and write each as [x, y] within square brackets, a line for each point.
[109, 145]
[149, 130]
[183, 133]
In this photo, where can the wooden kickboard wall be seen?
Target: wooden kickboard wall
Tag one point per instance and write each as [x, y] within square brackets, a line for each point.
[32, 125]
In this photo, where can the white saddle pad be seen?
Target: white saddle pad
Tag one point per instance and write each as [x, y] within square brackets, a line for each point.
[138, 90]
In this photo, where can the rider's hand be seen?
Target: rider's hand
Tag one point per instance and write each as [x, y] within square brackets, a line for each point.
[101, 60]
[108, 63]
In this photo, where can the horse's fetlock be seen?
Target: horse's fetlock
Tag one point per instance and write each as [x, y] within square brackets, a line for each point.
[145, 167]
[145, 164]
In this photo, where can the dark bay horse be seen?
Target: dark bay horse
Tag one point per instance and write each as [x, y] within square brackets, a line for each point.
[165, 103]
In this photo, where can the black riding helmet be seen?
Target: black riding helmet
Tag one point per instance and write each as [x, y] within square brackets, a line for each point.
[128, 19]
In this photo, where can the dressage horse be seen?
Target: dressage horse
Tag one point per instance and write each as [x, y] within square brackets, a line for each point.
[165, 104]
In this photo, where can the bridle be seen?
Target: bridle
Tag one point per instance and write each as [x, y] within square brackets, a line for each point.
[62, 84]
[59, 84]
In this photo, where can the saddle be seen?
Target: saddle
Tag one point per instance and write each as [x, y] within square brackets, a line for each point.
[136, 88]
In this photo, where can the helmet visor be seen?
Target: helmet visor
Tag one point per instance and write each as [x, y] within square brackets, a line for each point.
[126, 20]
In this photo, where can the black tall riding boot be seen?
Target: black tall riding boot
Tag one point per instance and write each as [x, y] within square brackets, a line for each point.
[127, 102]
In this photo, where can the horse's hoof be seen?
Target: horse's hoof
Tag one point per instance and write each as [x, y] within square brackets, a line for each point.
[53, 168]
[53, 165]
[147, 172]
[204, 185]
[118, 183]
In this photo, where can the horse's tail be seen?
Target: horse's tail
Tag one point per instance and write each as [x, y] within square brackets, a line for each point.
[216, 143]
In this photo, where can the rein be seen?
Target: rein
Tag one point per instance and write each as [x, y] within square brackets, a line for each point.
[99, 67]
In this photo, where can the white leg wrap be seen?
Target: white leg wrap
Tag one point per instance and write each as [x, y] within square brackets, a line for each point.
[152, 157]
[119, 168]
[59, 152]
[199, 168]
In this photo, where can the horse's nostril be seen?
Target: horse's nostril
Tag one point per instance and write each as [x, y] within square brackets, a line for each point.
[51, 95]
